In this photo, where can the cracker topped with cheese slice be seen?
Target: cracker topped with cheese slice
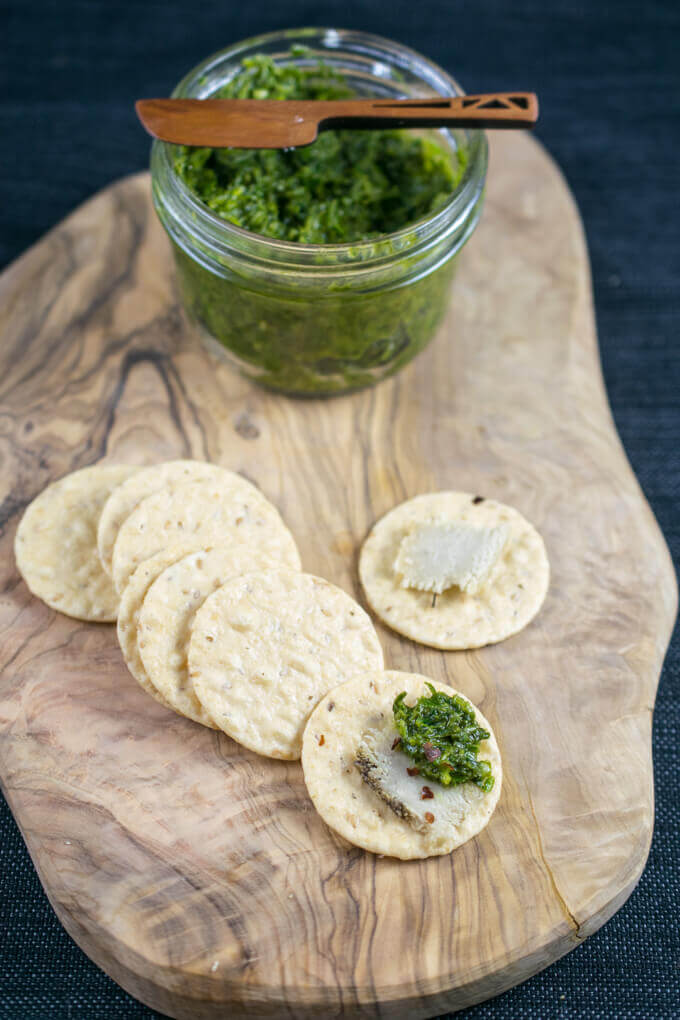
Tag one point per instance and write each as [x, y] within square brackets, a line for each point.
[454, 571]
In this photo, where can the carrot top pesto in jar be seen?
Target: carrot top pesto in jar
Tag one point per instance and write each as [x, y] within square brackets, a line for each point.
[346, 186]
[321, 269]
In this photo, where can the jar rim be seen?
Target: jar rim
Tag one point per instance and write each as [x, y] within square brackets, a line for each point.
[218, 233]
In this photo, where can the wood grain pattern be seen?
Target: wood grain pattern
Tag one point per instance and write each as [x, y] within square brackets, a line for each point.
[197, 874]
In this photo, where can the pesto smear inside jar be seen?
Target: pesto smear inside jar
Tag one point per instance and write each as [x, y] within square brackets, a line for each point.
[346, 186]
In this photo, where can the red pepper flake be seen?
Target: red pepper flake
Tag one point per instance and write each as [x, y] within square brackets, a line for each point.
[478, 499]
[322, 740]
[331, 706]
[429, 817]
[396, 742]
[413, 772]
[430, 751]
[426, 793]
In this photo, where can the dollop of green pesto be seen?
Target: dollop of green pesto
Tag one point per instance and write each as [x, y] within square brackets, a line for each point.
[441, 735]
[347, 186]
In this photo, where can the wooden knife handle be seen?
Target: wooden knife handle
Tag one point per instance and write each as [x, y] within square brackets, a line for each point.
[490, 110]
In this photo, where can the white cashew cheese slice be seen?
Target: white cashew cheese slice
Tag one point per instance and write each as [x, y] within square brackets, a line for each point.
[436, 556]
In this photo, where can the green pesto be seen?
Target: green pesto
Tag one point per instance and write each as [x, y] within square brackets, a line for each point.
[441, 735]
[293, 335]
[347, 186]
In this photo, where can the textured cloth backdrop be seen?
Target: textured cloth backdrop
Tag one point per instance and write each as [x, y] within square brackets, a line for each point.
[608, 76]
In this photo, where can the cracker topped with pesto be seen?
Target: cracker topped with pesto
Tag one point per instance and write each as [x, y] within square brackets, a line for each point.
[370, 791]
[347, 186]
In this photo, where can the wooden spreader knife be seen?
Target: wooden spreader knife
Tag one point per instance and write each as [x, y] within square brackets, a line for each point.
[280, 124]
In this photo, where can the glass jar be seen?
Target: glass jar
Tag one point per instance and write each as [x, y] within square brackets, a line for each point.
[310, 319]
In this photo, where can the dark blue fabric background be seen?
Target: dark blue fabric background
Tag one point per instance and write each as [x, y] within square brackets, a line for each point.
[608, 76]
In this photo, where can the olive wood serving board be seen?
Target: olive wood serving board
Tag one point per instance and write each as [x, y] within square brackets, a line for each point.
[197, 874]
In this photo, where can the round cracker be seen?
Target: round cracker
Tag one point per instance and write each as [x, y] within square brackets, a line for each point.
[351, 807]
[143, 483]
[267, 646]
[507, 602]
[168, 612]
[128, 613]
[221, 511]
[56, 543]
